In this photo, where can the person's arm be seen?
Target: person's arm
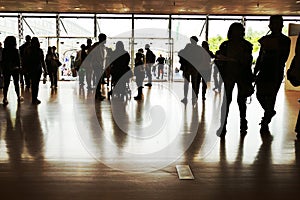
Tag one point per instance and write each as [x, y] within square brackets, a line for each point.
[42, 59]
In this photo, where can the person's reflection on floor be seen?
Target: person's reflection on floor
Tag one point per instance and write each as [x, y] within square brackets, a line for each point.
[34, 136]
[263, 166]
[14, 137]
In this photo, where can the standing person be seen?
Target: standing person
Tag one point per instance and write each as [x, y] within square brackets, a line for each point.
[81, 55]
[1, 73]
[161, 63]
[236, 57]
[139, 72]
[193, 59]
[119, 67]
[34, 59]
[150, 60]
[11, 67]
[52, 67]
[273, 54]
[24, 74]
[98, 54]
[89, 71]
[205, 46]
[217, 75]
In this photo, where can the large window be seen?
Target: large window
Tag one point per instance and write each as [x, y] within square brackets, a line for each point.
[113, 26]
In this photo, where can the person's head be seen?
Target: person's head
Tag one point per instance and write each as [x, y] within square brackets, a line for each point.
[89, 42]
[119, 45]
[236, 31]
[50, 50]
[147, 46]
[35, 42]
[140, 50]
[10, 42]
[27, 38]
[205, 45]
[102, 38]
[194, 39]
[82, 46]
[54, 48]
[276, 23]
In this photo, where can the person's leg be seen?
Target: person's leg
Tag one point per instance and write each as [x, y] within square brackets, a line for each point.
[55, 78]
[149, 75]
[266, 96]
[51, 76]
[88, 74]
[215, 76]
[297, 128]
[35, 81]
[6, 80]
[227, 98]
[16, 76]
[27, 79]
[204, 88]
[195, 79]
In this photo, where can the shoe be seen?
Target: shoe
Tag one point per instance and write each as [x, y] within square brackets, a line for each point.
[36, 102]
[184, 100]
[148, 84]
[5, 102]
[264, 129]
[221, 132]
[100, 97]
[138, 98]
[20, 99]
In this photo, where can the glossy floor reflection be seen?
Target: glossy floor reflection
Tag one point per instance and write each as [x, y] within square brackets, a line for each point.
[72, 147]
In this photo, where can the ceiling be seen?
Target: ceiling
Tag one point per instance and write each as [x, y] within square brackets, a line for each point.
[212, 7]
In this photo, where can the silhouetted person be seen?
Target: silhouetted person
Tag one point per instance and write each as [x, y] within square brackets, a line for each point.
[119, 68]
[1, 73]
[273, 54]
[11, 67]
[236, 58]
[34, 59]
[216, 74]
[24, 72]
[205, 46]
[161, 63]
[150, 60]
[89, 70]
[81, 55]
[194, 60]
[100, 55]
[139, 72]
[52, 67]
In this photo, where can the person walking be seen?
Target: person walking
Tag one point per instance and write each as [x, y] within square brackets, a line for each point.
[161, 63]
[139, 72]
[34, 59]
[194, 61]
[236, 58]
[11, 67]
[24, 74]
[269, 69]
[150, 60]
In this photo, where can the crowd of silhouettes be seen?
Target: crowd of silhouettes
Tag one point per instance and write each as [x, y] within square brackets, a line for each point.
[232, 65]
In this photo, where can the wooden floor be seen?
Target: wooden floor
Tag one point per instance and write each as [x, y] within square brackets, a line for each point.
[70, 147]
